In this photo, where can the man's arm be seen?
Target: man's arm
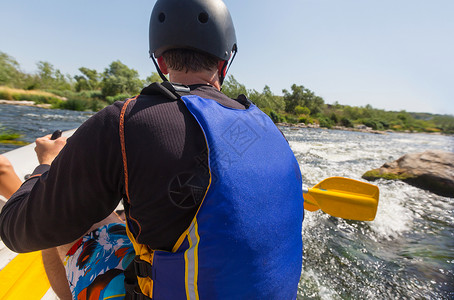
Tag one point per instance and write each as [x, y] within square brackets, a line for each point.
[83, 186]
[9, 182]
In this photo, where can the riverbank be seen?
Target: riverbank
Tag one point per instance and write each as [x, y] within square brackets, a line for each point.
[296, 126]
[59, 99]
[25, 103]
[358, 128]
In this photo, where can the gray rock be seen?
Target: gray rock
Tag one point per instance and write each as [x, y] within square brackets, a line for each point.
[431, 170]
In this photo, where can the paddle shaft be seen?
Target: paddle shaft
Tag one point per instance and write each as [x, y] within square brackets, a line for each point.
[57, 133]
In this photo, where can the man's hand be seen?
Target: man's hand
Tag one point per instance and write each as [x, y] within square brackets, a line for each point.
[47, 149]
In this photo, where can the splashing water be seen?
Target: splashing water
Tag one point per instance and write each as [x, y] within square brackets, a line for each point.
[405, 253]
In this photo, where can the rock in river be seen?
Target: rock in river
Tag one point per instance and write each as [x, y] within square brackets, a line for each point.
[431, 170]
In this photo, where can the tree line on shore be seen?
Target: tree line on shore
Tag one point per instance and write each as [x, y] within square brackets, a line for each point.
[93, 90]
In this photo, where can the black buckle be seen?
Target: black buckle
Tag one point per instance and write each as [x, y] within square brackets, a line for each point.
[142, 268]
[135, 295]
[176, 87]
[139, 296]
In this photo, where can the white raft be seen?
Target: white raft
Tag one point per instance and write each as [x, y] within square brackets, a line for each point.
[24, 161]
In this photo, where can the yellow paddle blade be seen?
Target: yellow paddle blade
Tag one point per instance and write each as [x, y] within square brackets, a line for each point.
[345, 198]
[309, 203]
[24, 278]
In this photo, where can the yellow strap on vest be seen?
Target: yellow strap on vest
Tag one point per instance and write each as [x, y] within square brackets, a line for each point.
[143, 251]
[145, 254]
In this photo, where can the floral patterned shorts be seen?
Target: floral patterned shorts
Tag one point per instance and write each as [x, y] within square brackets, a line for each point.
[95, 264]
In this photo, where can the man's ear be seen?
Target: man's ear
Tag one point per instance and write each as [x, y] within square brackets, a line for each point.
[222, 67]
[162, 65]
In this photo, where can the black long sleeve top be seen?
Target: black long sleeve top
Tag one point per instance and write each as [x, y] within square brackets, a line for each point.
[167, 165]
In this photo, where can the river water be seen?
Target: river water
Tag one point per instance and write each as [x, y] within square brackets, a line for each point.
[407, 252]
[34, 122]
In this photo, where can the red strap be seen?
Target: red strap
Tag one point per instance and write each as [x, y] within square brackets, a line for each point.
[123, 146]
[125, 161]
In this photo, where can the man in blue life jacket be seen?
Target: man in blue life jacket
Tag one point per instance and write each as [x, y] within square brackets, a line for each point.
[211, 189]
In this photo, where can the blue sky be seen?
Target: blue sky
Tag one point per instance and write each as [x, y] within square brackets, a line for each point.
[392, 54]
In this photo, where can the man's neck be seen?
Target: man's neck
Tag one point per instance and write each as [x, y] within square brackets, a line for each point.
[190, 78]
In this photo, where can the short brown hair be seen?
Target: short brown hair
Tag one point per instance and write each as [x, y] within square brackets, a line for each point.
[189, 60]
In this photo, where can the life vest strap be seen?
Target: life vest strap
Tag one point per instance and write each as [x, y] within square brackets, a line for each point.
[135, 295]
[132, 288]
[172, 91]
[142, 268]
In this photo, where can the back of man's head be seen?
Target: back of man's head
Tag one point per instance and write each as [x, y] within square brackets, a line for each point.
[192, 35]
[188, 60]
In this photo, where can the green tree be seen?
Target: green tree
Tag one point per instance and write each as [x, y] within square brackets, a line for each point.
[303, 97]
[334, 118]
[50, 78]
[404, 116]
[88, 81]
[336, 105]
[256, 98]
[275, 117]
[232, 88]
[119, 79]
[346, 122]
[352, 112]
[265, 100]
[270, 100]
[294, 98]
[302, 110]
[445, 123]
[9, 71]
[315, 104]
[154, 77]
[325, 121]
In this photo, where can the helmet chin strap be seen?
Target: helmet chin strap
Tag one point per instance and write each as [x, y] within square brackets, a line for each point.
[222, 77]
[158, 69]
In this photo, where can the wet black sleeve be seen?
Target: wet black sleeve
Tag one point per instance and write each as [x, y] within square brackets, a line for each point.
[82, 187]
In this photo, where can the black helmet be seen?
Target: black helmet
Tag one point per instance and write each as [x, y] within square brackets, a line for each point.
[203, 25]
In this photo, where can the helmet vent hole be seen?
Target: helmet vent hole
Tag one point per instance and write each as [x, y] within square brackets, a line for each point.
[203, 17]
[162, 17]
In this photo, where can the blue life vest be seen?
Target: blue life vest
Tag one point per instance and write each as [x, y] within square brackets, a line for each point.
[245, 241]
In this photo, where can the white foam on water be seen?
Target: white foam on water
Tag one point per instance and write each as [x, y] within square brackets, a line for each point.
[342, 159]
[342, 151]
[393, 217]
[351, 155]
[400, 205]
[32, 115]
[323, 292]
[404, 215]
[311, 220]
[300, 147]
